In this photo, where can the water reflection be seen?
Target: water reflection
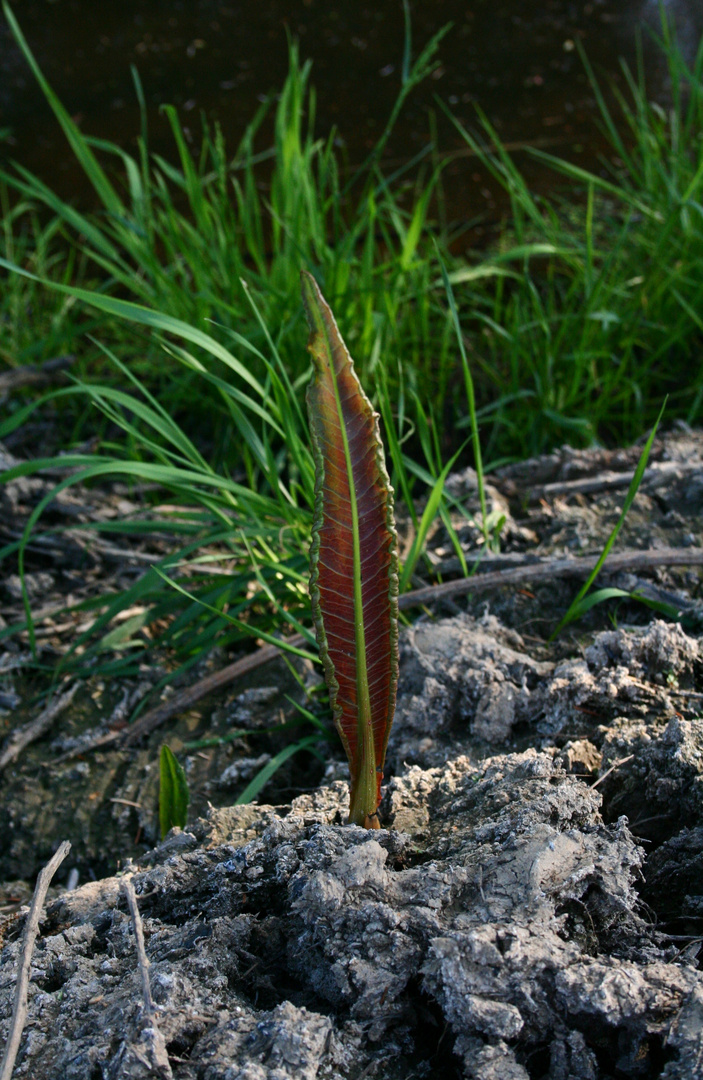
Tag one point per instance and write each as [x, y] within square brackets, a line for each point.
[518, 62]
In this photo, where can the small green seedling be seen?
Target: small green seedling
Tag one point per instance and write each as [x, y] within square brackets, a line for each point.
[353, 559]
[173, 792]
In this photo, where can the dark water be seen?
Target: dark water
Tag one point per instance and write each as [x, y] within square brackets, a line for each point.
[514, 58]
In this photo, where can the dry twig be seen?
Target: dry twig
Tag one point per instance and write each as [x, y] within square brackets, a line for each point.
[19, 1008]
[547, 569]
[543, 570]
[613, 767]
[142, 958]
[23, 736]
[151, 1046]
[28, 375]
[188, 697]
[657, 474]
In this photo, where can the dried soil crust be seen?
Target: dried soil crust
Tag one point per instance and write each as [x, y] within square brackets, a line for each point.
[500, 923]
[511, 920]
[493, 930]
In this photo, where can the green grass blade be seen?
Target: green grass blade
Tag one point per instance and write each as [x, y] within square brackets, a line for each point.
[264, 775]
[159, 321]
[429, 514]
[601, 595]
[251, 631]
[471, 399]
[97, 176]
[629, 499]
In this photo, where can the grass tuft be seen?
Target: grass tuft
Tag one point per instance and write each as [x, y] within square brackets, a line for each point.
[180, 297]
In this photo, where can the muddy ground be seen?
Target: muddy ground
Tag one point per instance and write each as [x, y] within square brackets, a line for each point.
[533, 907]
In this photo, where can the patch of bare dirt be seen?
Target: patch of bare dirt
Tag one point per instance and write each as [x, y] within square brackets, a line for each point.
[533, 907]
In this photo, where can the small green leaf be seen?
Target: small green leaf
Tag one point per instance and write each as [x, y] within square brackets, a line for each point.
[578, 610]
[173, 792]
[601, 595]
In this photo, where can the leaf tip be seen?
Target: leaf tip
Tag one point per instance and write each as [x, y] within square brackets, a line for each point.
[312, 298]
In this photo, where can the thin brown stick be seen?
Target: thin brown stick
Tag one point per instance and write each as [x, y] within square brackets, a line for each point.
[551, 568]
[28, 375]
[142, 958]
[16, 742]
[532, 571]
[613, 767]
[19, 1008]
[215, 681]
[151, 1037]
[658, 473]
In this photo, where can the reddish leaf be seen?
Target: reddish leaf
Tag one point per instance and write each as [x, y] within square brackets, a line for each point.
[353, 558]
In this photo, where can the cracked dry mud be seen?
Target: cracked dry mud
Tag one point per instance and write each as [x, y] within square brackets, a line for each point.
[512, 921]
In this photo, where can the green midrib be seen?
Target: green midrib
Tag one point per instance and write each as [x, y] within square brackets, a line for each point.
[364, 805]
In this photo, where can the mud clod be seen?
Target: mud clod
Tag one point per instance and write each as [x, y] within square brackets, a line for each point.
[351, 933]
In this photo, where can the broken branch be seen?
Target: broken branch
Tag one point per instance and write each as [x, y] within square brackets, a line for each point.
[543, 570]
[19, 1008]
[23, 736]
